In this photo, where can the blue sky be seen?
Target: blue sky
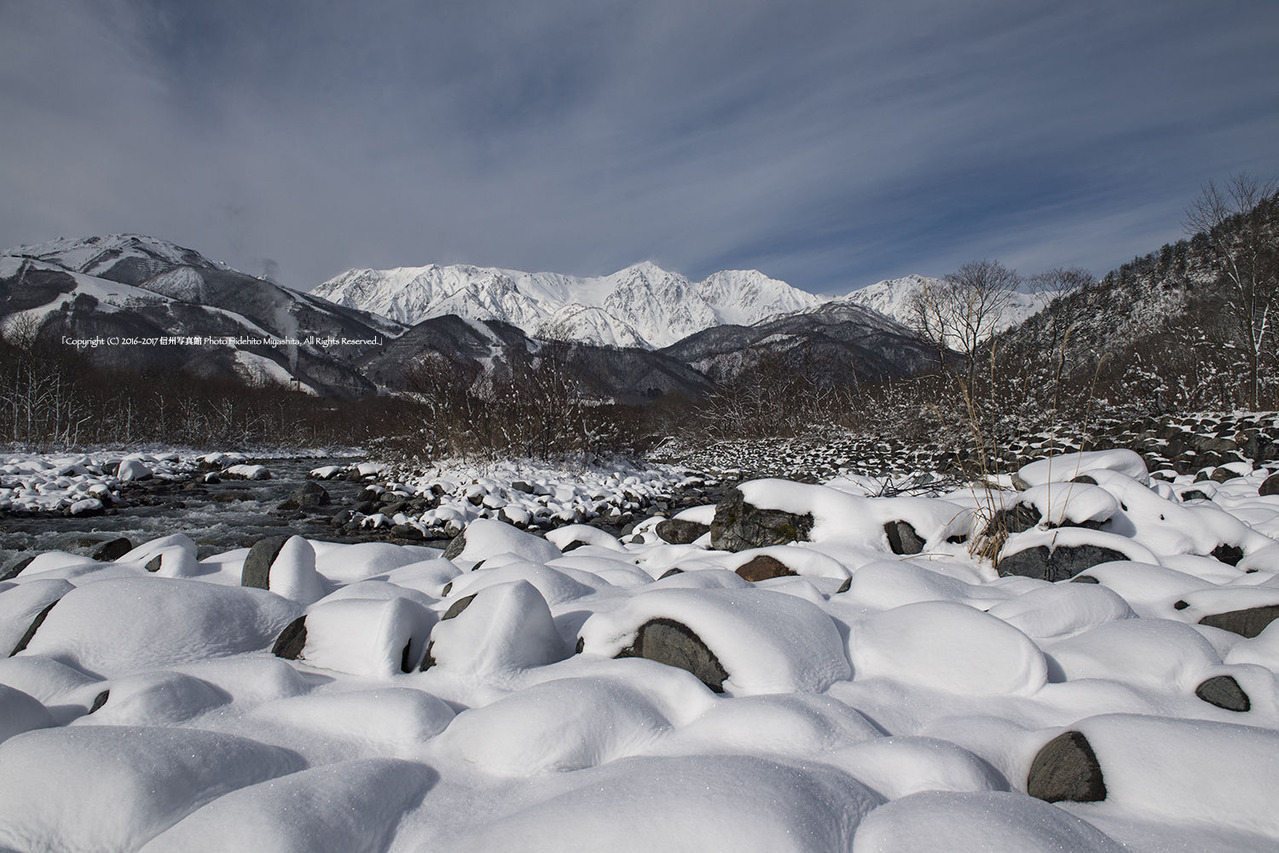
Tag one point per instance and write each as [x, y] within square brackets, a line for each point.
[828, 144]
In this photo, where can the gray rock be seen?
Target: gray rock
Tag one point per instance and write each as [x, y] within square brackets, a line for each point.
[257, 565]
[675, 644]
[112, 549]
[291, 641]
[764, 567]
[678, 531]
[1224, 692]
[456, 608]
[739, 526]
[310, 495]
[1017, 519]
[31, 630]
[521, 486]
[99, 701]
[15, 568]
[1270, 486]
[1246, 623]
[902, 537]
[1066, 770]
[407, 531]
[1060, 564]
[1229, 554]
[456, 546]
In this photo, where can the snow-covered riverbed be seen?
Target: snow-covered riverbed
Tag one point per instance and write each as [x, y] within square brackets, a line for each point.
[874, 688]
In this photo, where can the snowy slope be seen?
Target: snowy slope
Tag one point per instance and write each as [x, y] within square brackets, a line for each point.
[642, 305]
[892, 298]
[134, 294]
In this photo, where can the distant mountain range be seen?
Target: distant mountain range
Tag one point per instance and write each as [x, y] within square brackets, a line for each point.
[632, 335]
[640, 306]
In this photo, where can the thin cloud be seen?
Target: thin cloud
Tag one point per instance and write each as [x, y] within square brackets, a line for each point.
[827, 144]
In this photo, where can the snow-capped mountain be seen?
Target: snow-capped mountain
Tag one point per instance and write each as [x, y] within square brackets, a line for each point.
[893, 298]
[642, 305]
[148, 303]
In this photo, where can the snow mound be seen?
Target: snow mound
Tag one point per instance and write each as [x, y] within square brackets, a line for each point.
[949, 647]
[690, 803]
[976, 823]
[128, 625]
[95, 788]
[767, 641]
[296, 814]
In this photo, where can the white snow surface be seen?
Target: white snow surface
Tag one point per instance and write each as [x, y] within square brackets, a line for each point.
[873, 701]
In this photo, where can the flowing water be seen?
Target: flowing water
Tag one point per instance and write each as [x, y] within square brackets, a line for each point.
[218, 516]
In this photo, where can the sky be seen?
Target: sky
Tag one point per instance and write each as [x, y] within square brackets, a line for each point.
[827, 144]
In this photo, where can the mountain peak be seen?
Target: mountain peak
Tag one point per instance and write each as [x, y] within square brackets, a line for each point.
[642, 303]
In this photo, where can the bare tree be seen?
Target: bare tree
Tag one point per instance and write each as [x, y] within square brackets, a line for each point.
[1239, 222]
[962, 310]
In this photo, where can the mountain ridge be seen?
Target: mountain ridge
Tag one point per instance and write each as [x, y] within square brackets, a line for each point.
[642, 304]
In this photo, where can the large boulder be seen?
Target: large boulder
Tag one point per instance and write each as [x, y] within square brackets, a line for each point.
[674, 644]
[310, 495]
[739, 526]
[1066, 770]
[1058, 564]
[679, 531]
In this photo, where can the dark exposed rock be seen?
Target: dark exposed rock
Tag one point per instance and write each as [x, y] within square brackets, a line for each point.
[1017, 519]
[291, 641]
[670, 573]
[428, 659]
[99, 701]
[456, 546]
[31, 631]
[310, 495]
[257, 565]
[521, 486]
[1084, 579]
[1245, 623]
[738, 526]
[112, 549]
[1066, 770]
[1193, 495]
[456, 608]
[675, 644]
[1270, 486]
[15, 568]
[762, 568]
[678, 531]
[1059, 564]
[1229, 554]
[1224, 692]
[902, 537]
[407, 531]
[154, 564]
[845, 586]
